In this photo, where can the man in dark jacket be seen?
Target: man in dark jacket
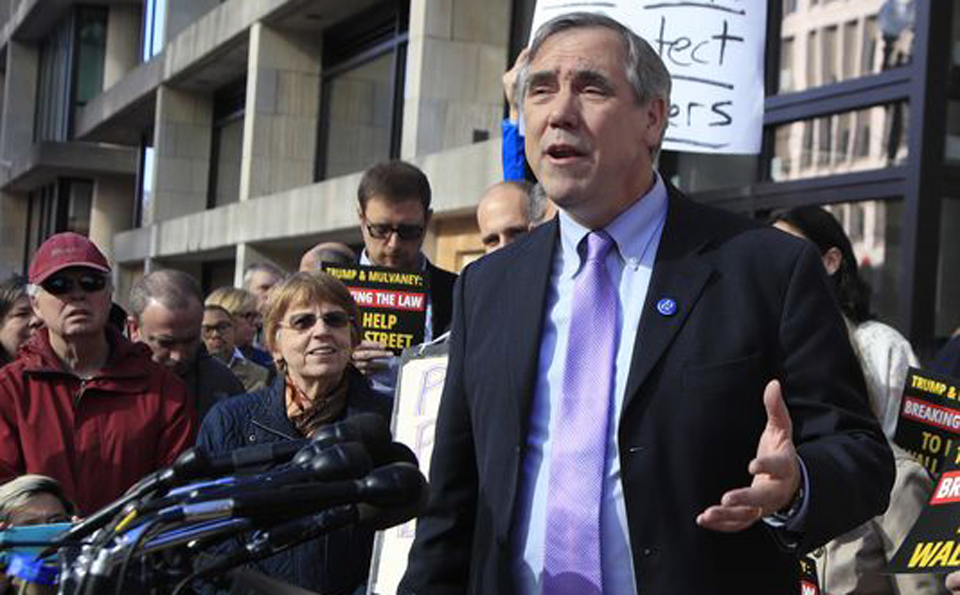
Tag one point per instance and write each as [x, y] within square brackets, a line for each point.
[166, 311]
[83, 404]
[394, 212]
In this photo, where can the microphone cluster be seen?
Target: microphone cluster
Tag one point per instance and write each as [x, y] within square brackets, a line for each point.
[279, 495]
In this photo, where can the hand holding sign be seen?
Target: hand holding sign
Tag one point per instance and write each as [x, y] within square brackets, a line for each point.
[370, 357]
[775, 470]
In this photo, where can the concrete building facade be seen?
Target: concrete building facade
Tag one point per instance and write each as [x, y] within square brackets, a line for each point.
[209, 135]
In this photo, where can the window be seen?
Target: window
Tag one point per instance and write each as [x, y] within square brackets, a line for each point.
[831, 135]
[145, 177]
[849, 53]
[63, 205]
[362, 91]
[70, 71]
[786, 65]
[839, 41]
[154, 23]
[91, 50]
[828, 70]
[226, 153]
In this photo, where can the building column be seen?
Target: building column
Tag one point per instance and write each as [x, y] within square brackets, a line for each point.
[282, 108]
[248, 255]
[20, 99]
[456, 56]
[112, 210]
[182, 136]
[183, 13]
[122, 52]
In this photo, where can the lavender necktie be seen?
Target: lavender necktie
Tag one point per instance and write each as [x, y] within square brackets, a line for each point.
[572, 558]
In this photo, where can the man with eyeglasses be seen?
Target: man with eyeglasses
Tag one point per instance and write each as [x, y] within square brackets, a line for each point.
[218, 336]
[394, 211]
[166, 310]
[83, 404]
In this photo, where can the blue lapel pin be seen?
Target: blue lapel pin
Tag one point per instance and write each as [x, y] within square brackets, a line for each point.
[667, 307]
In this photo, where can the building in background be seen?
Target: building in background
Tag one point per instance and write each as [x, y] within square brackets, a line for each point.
[209, 135]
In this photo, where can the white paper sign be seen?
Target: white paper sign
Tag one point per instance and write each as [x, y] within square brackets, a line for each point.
[414, 421]
[714, 52]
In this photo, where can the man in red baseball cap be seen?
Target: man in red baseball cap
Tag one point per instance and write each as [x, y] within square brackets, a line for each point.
[82, 404]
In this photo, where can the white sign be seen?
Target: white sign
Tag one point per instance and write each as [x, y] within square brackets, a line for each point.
[415, 408]
[714, 52]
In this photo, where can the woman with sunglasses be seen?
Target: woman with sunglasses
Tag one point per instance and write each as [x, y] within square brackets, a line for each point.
[17, 319]
[311, 328]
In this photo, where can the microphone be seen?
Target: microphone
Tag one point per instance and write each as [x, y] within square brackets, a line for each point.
[338, 462]
[195, 463]
[368, 428]
[391, 485]
[292, 533]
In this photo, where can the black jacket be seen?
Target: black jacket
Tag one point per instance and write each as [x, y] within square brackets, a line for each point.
[209, 380]
[752, 303]
[441, 297]
[334, 564]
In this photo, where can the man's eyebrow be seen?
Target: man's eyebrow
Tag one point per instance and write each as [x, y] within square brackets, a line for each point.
[540, 77]
[592, 77]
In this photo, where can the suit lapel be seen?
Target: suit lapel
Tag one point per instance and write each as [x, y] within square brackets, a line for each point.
[525, 313]
[523, 320]
[680, 273]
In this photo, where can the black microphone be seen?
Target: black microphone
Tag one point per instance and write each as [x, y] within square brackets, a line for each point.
[391, 485]
[297, 531]
[368, 428]
[195, 463]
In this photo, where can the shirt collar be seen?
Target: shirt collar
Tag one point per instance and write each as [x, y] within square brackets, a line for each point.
[365, 260]
[630, 231]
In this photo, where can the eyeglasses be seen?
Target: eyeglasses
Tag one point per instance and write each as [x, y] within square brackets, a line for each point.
[62, 285]
[404, 231]
[302, 323]
[220, 327]
[252, 316]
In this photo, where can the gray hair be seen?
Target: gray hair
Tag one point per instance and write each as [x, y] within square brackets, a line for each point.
[258, 267]
[538, 204]
[643, 67]
[15, 493]
[172, 289]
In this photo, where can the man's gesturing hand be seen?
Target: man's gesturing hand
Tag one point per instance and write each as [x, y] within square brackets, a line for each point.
[775, 470]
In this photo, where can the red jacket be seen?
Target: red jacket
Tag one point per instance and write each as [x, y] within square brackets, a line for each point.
[98, 436]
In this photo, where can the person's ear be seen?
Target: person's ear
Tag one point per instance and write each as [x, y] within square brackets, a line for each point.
[133, 329]
[832, 260]
[426, 218]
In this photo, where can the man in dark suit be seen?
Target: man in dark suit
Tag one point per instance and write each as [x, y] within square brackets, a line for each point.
[394, 212]
[691, 425]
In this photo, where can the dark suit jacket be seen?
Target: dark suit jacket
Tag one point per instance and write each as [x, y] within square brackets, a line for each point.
[441, 297]
[753, 305]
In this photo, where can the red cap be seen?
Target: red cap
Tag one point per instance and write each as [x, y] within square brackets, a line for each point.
[65, 250]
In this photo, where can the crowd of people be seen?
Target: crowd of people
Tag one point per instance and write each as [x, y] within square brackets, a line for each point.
[644, 394]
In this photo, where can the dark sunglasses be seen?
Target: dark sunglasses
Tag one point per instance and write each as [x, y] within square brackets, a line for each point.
[220, 327]
[404, 231]
[88, 282]
[304, 322]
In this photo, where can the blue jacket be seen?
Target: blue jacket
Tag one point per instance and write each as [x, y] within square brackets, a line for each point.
[338, 562]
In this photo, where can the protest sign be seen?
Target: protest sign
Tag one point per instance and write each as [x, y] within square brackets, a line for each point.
[933, 544]
[393, 304]
[419, 387]
[929, 424]
[714, 51]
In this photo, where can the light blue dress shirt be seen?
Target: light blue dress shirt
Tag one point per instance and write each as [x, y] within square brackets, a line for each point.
[637, 234]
